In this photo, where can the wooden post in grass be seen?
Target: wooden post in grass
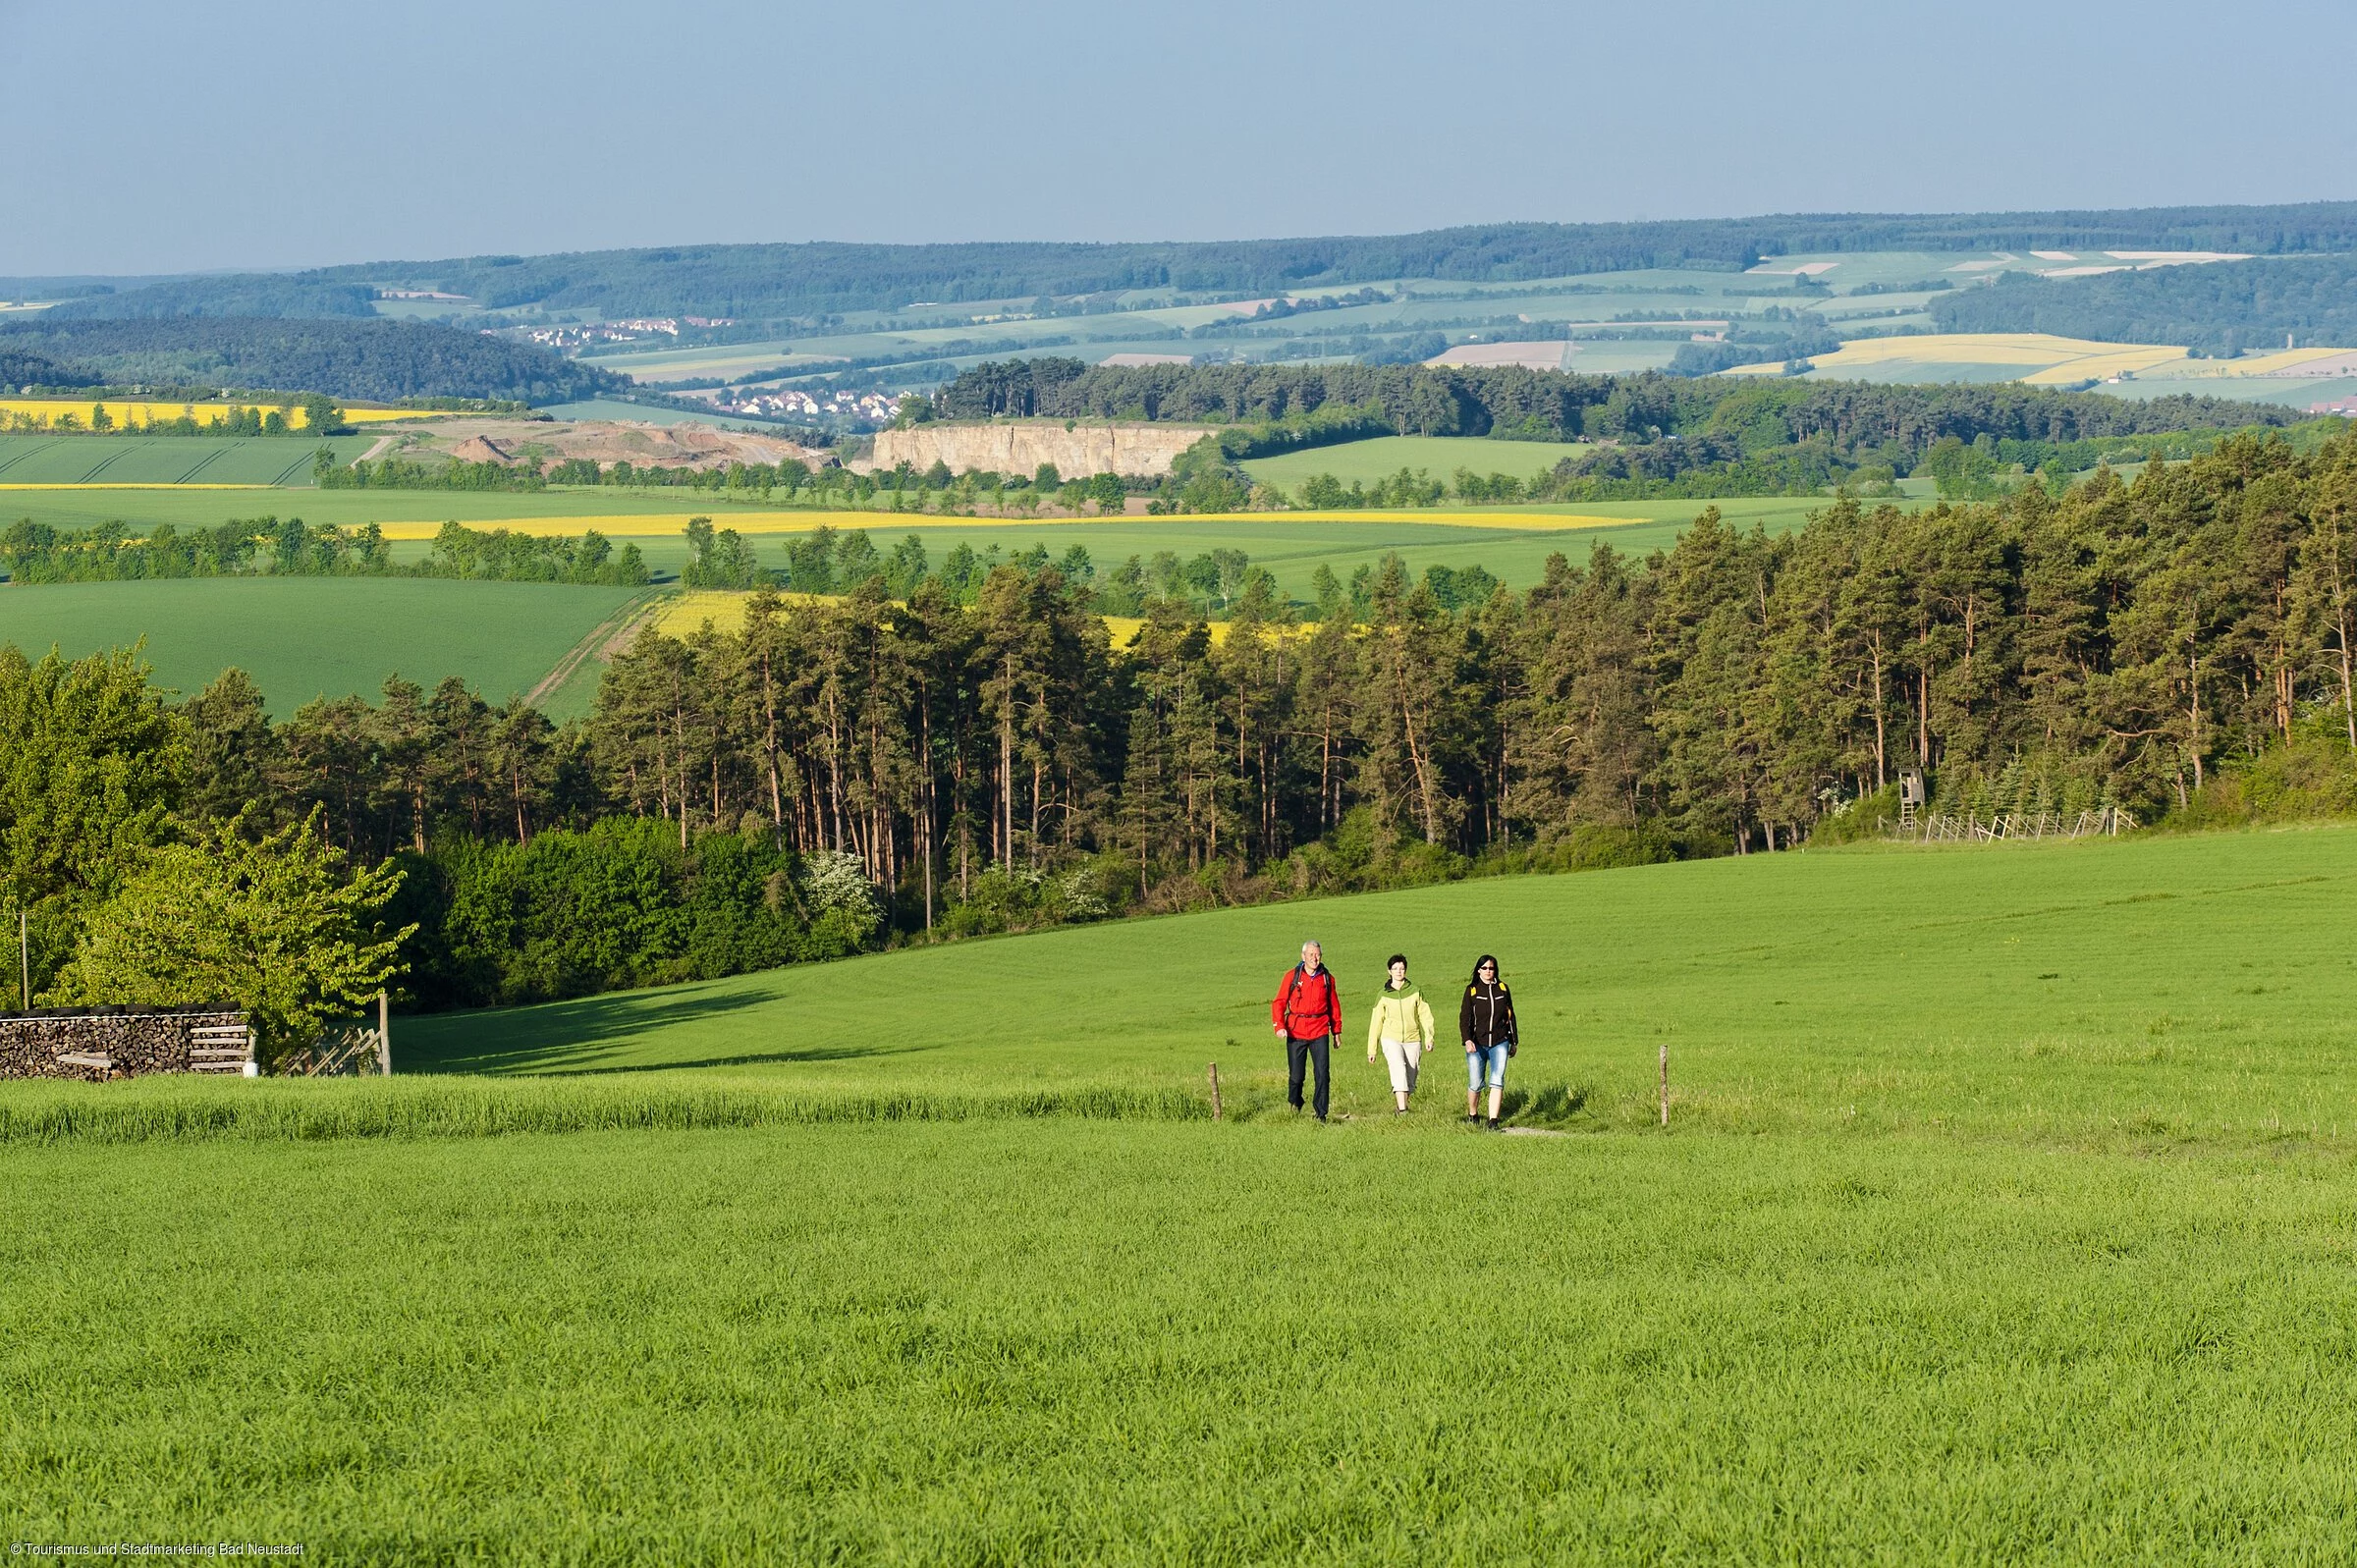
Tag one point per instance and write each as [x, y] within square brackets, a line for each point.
[1664, 1083]
[25, 957]
[384, 1035]
[1215, 1091]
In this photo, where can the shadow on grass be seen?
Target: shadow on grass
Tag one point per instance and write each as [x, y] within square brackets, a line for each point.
[583, 1036]
[1549, 1106]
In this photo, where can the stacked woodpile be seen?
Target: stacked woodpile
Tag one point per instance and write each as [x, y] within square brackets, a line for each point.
[100, 1042]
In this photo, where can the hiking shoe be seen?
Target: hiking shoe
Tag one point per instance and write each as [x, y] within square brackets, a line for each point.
[1493, 1124]
[1472, 1121]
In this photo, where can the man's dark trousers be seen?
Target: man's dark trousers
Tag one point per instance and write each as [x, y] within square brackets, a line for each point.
[1316, 1052]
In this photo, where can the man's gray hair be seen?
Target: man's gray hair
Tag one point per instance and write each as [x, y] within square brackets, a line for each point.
[1313, 942]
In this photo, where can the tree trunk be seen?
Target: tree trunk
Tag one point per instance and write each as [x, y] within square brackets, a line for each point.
[2193, 724]
[1922, 716]
[2348, 679]
[1881, 778]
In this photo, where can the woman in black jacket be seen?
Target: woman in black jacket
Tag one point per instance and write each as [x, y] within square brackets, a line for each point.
[1486, 1020]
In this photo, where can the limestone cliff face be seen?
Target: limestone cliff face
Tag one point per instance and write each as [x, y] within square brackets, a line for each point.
[1020, 447]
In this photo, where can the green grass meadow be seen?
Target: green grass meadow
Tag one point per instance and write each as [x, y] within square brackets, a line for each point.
[2007, 1213]
[2105, 991]
[304, 637]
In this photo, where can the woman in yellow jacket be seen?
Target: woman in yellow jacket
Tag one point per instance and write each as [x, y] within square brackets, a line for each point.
[1401, 1027]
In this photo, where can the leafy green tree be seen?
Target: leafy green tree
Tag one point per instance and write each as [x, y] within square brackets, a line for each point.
[321, 415]
[270, 925]
[719, 559]
[91, 766]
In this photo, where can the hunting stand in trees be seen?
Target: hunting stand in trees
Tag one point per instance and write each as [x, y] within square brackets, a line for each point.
[1910, 797]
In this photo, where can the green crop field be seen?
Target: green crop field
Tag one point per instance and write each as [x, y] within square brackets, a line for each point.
[166, 460]
[303, 637]
[1439, 455]
[2004, 1214]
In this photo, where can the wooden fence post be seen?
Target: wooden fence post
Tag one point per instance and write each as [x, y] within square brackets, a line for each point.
[384, 1035]
[1215, 1091]
[1664, 1083]
[25, 955]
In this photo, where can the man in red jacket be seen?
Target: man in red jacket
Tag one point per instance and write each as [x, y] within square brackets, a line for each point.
[1307, 1014]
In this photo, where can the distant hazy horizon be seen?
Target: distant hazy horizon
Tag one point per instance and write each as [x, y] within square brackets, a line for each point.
[274, 136]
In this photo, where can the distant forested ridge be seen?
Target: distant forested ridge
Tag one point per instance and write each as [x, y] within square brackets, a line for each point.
[20, 369]
[378, 359]
[2219, 309]
[251, 294]
[1858, 421]
[791, 280]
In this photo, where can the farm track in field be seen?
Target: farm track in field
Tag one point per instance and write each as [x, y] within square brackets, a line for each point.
[607, 638]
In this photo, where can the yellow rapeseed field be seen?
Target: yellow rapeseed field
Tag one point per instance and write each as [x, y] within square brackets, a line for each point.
[132, 414]
[684, 613]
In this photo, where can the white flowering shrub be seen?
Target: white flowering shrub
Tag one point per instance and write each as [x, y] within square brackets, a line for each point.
[835, 888]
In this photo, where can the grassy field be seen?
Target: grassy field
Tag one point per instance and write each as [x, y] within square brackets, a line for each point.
[1385, 455]
[165, 460]
[2103, 991]
[2005, 1217]
[303, 637]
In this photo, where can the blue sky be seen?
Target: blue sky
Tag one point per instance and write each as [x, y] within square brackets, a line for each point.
[146, 138]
